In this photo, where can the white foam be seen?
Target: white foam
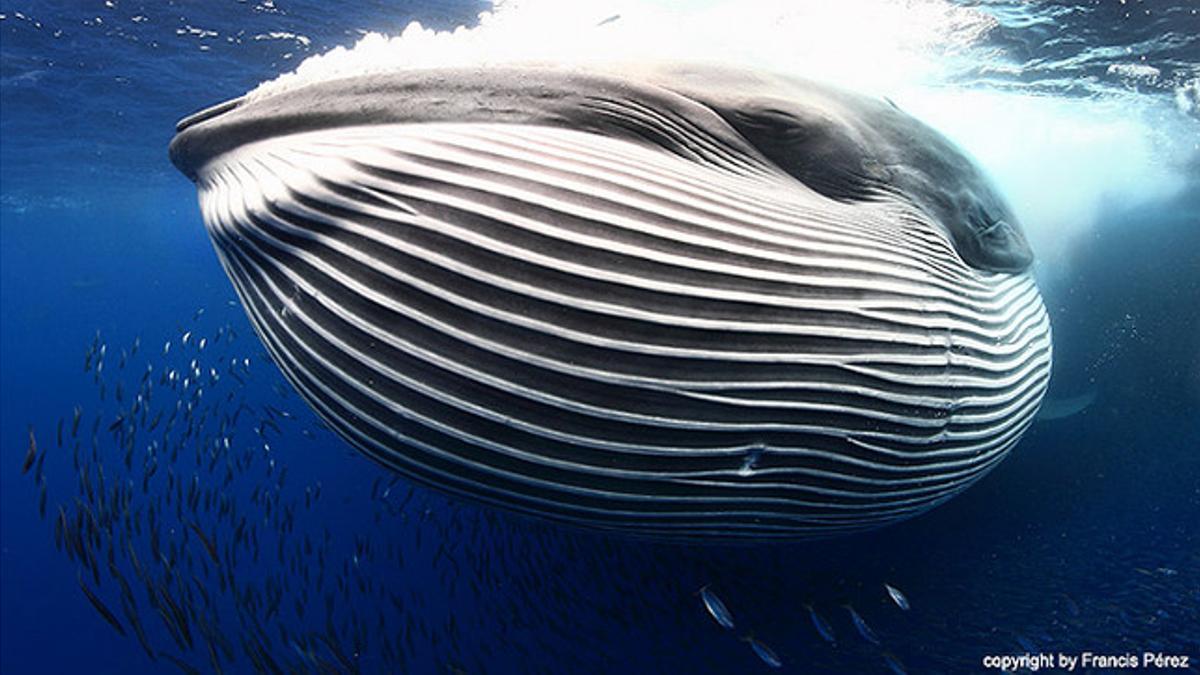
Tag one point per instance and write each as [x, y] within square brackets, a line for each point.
[301, 40]
[1187, 97]
[858, 43]
[1061, 162]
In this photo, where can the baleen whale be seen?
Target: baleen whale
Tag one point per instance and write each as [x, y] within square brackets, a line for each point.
[673, 300]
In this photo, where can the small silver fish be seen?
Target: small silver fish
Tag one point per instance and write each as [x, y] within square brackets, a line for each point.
[862, 627]
[894, 663]
[764, 652]
[1072, 606]
[822, 626]
[1027, 645]
[897, 597]
[716, 608]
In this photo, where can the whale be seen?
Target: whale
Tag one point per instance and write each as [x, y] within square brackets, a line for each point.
[671, 300]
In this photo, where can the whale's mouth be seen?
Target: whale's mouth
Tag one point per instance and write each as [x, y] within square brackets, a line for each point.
[207, 114]
[845, 146]
[621, 301]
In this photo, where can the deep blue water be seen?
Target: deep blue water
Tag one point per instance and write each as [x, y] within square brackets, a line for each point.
[1087, 538]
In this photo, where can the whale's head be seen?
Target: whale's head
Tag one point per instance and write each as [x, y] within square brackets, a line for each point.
[847, 146]
[674, 300]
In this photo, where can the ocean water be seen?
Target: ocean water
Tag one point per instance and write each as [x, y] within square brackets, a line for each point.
[226, 530]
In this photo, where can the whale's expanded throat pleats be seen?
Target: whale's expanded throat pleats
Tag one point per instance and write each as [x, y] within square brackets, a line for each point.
[611, 301]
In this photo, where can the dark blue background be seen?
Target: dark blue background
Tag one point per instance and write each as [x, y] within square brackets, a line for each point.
[1087, 538]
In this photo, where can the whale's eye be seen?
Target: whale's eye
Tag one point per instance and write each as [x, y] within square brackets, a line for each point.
[987, 236]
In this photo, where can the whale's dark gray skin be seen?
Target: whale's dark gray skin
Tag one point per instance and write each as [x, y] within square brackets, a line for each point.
[841, 144]
[673, 300]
